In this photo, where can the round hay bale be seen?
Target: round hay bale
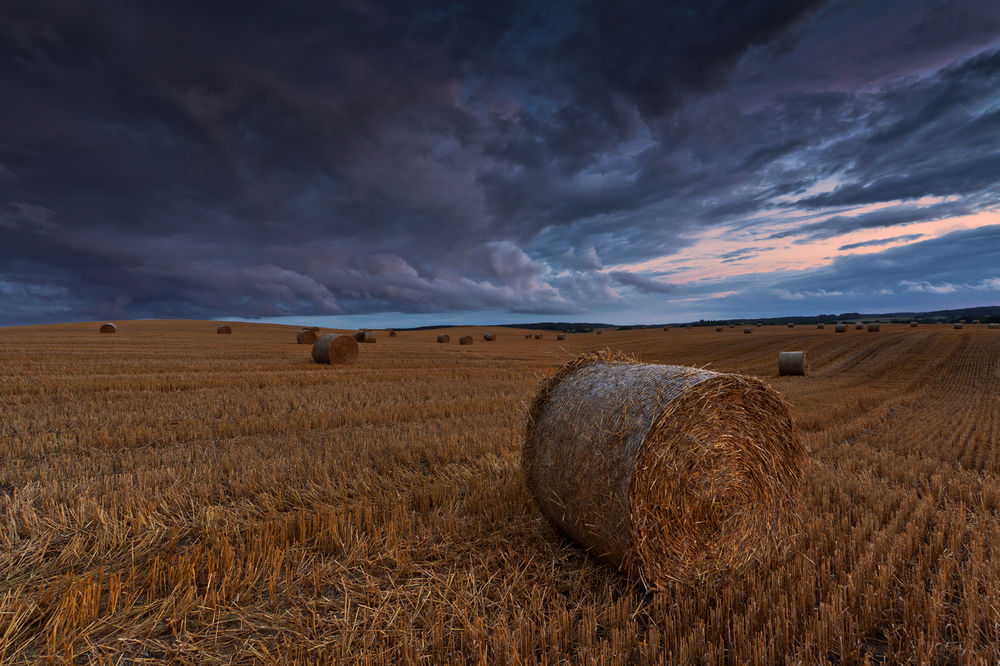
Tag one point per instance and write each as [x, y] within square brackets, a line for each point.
[759, 324]
[666, 328]
[747, 330]
[820, 326]
[306, 336]
[335, 349]
[994, 325]
[718, 329]
[599, 331]
[958, 324]
[444, 337]
[874, 327]
[392, 333]
[975, 322]
[913, 324]
[538, 336]
[732, 326]
[667, 472]
[840, 328]
[858, 327]
[527, 336]
[224, 330]
[791, 325]
[109, 328]
[489, 337]
[359, 336]
[792, 363]
[367, 337]
[560, 336]
[465, 340]
[314, 329]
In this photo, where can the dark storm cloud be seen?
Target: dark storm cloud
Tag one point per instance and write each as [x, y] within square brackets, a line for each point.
[265, 159]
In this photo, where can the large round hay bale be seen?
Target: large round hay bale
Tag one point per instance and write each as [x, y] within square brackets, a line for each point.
[858, 327]
[670, 473]
[718, 329]
[792, 363]
[958, 324]
[820, 326]
[560, 336]
[224, 330]
[874, 327]
[392, 333]
[994, 325]
[444, 337]
[538, 336]
[840, 328]
[306, 336]
[489, 337]
[109, 328]
[747, 330]
[367, 337]
[335, 349]
[465, 340]
[913, 324]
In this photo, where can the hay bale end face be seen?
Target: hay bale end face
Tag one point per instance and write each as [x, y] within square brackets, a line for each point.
[667, 472]
[858, 327]
[792, 363]
[224, 330]
[109, 328]
[560, 336]
[874, 328]
[747, 330]
[465, 340]
[489, 337]
[335, 349]
[306, 336]
[840, 328]
[444, 337]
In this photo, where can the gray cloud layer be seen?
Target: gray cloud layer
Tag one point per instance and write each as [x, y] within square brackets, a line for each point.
[220, 159]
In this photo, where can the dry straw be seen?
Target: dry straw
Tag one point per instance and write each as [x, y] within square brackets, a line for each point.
[306, 336]
[224, 330]
[465, 340]
[109, 328]
[489, 337]
[792, 363]
[840, 328]
[874, 328]
[335, 349]
[667, 472]
[444, 337]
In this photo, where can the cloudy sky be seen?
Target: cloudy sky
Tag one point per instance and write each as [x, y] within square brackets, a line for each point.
[386, 162]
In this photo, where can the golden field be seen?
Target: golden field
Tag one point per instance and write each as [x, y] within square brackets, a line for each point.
[169, 494]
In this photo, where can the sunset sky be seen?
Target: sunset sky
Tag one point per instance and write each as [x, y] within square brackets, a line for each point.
[385, 163]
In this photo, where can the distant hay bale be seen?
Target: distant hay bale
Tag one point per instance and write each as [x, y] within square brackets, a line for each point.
[359, 336]
[527, 336]
[667, 472]
[792, 363]
[858, 327]
[392, 333]
[560, 336]
[306, 336]
[335, 349]
[975, 321]
[958, 324]
[994, 325]
[538, 336]
[913, 324]
[465, 340]
[791, 325]
[666, 328]
[367, 337]
[444, 337]
[108, 328]
[747, 330]
[820, 326]
[840, 328]
[489, 337]
[224, 330]
[718, 329]
[732, 326]
[874, 327]
[599, 331]
[759, 324]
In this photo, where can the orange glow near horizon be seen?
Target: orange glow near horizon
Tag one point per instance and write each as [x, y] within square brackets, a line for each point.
[703, 259]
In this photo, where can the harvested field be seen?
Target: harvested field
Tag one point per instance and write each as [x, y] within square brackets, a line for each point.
[167, 496]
